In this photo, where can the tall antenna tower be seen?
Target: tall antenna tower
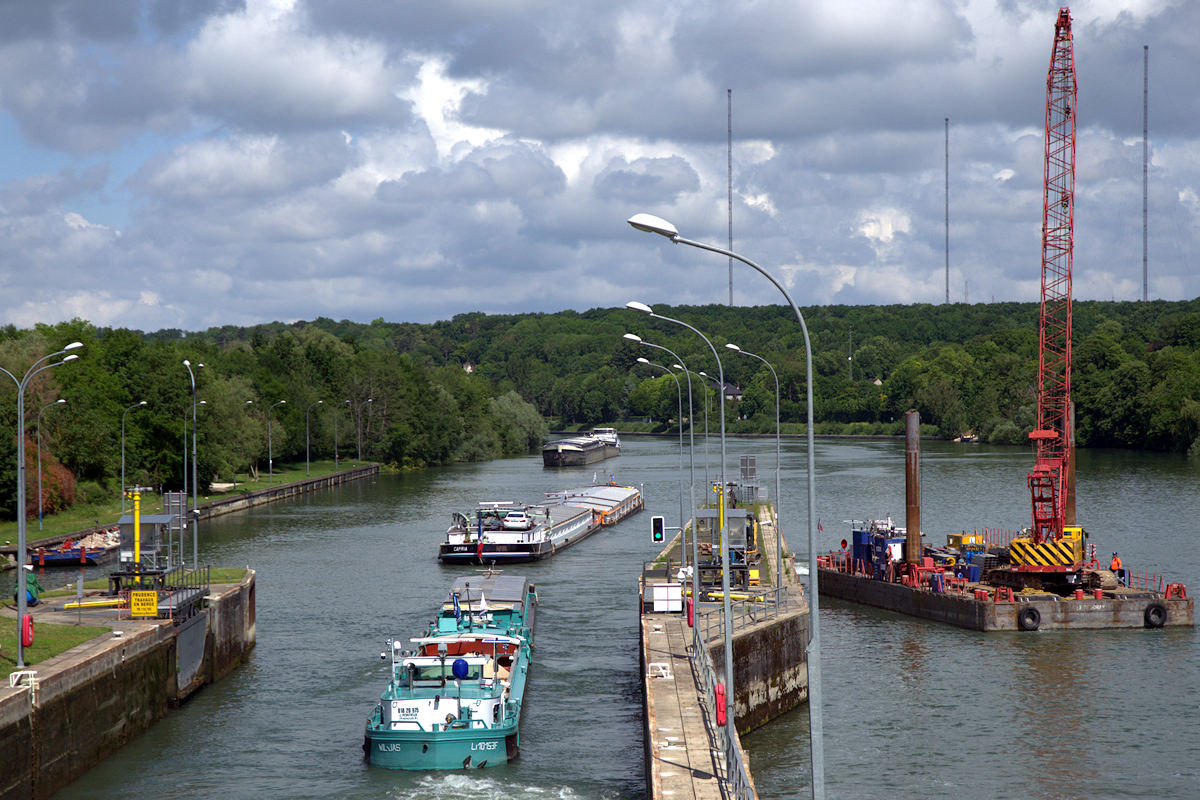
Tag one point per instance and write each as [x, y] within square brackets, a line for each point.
[729, 158]
[1145, 161]
[947, 209]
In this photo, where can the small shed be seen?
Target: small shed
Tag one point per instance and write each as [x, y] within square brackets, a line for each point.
[153, 535]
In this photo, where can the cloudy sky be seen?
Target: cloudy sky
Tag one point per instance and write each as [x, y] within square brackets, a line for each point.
[170, 164]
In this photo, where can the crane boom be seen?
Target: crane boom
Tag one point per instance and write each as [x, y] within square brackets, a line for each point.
[1046, 481]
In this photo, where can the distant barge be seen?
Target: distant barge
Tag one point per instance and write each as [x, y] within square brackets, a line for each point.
[563, 519]
[577, 451]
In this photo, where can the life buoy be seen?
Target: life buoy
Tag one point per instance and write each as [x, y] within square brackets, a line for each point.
[1155, 615]
[27, 631]
[1029, 618]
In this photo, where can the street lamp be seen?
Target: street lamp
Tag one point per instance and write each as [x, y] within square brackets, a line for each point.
[195, 521]
[358, 425]
[335, 432]
[729, 683]
[59, 401]
[633, 337]
[270, 453]
[653, 224]
[123, 413]
[778, 498]
[679, 398]
[319, 402]
[707, 483]
[38, 366]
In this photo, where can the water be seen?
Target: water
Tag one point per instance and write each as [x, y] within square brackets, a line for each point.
[911, 707]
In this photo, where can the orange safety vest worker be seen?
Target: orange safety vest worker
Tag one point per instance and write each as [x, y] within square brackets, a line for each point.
[1116, 563]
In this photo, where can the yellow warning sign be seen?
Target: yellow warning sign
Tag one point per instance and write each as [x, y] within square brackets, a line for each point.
[143, 604]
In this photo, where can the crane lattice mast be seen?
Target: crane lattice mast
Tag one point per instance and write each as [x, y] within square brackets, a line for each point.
[1054, 357]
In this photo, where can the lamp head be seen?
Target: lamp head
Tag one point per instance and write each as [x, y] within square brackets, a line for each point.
[634, 305]
[73, 346]
[319, 402]
[61, 400]
[633, 337]
[643, 360]
[733, 347]
[71, 357]
[202, 403]
[677, 366]
[143, 403]
[187, 363]
[652, 224]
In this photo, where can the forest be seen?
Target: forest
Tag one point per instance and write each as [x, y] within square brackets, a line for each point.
[482, 386]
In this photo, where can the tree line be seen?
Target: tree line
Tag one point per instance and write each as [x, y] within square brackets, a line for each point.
[337, 390]
[481, 386]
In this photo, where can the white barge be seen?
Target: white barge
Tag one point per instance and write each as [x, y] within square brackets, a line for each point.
[510, 532]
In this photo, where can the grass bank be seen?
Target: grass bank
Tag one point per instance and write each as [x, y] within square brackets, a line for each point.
[82, 517]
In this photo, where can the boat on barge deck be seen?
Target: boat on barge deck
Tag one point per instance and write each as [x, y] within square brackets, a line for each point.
[563, 519]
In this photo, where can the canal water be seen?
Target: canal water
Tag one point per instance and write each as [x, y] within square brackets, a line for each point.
[912, 708]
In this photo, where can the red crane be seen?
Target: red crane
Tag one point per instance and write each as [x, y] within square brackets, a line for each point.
[1051, 437]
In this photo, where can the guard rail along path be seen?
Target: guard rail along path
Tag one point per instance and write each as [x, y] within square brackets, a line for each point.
[688, 751]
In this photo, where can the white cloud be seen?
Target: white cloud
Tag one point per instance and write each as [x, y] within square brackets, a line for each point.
[296, 159]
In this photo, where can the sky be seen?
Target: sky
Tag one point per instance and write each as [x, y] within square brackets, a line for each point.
[231, 162]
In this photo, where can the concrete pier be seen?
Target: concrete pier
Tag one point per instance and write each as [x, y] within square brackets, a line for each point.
[684, 751]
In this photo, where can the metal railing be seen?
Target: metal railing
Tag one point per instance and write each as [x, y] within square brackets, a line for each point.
[751, 607]
[737, 775]
[748, 607]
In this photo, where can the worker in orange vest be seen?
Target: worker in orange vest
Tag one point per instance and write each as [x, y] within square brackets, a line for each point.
[1116, 568]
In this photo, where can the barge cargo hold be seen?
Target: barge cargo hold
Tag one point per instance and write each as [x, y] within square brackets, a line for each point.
[577, 451]
[563, 519]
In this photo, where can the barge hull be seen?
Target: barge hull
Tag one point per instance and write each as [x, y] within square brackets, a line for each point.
[577, 458]
[1112, 610]
[514, 553]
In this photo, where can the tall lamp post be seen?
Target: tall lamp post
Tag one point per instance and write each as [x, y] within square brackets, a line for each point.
[195, 515]
[310, 408]
[192, 518]
[653, 224]
[38, 366]
[707, 482]
[731, 729]
[335, 432]
[270, 452]
[57, 402]
[691, 470]
[778, 497]
[123, 413]
[679, 398]
[691, 428]
[358, 425]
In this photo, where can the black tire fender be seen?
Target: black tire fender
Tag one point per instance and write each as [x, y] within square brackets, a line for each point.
[1155, 615]
[1029, 619]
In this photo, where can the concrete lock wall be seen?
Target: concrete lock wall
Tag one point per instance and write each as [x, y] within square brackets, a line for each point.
[770, 665]
[106, 692]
